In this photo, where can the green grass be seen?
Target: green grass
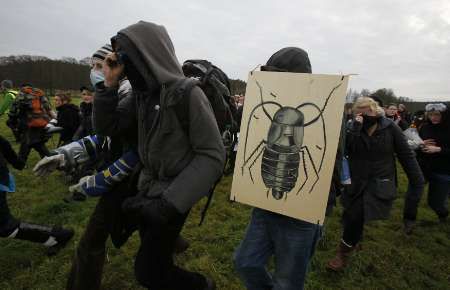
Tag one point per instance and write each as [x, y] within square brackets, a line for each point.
[389, 259]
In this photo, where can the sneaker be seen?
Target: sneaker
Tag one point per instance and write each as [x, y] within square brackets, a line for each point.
[62, 237]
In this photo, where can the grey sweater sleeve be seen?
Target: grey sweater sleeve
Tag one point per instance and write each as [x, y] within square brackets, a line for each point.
[198, 177]
[114, 111]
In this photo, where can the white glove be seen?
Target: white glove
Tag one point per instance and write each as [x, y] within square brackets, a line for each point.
[49, 164]
[79, 186]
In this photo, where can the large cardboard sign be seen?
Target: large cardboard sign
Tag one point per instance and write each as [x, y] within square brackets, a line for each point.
[288, 141]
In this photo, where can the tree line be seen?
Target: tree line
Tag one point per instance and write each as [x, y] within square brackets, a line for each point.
[61, 74]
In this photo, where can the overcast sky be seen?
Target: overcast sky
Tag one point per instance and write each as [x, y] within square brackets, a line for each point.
[403, 45]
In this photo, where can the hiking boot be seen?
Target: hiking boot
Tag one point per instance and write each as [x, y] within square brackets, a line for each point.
[408, 226]
[340, 261]
[181, 245]
[62, 237]
[443, 219]
[210, 284]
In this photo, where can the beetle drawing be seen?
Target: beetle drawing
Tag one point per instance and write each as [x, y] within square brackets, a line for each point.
[283, 151]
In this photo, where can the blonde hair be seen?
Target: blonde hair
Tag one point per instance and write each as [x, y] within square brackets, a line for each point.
[363, 102]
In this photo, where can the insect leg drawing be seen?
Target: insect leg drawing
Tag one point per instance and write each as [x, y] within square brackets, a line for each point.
[283, 151]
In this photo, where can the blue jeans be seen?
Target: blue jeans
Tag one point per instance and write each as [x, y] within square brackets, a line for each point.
[290, 241]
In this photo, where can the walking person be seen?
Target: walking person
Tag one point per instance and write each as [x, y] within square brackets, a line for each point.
[372, 143]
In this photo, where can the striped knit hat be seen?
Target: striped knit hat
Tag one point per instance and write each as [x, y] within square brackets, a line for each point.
[102, 52]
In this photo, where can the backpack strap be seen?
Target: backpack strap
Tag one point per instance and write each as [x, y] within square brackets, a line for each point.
[183, 90]
[208, 202]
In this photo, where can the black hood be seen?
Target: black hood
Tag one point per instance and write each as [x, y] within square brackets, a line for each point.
[289, 59]
[148, 48]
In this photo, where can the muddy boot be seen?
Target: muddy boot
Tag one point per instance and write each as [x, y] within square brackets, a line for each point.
[181, 245]
[341, 260]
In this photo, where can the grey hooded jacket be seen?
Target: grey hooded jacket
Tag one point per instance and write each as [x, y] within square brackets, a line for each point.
[180, 164]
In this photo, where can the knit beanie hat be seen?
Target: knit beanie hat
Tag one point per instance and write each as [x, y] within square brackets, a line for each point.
[7, 84]
[102, 52]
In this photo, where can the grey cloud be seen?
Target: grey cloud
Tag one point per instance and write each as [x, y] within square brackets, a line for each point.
[401, 45]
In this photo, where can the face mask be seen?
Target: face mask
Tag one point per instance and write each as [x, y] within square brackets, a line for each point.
[96, 77]
[369, 121]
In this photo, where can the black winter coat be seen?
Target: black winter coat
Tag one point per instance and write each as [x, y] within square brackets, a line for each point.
[86, 126]
[69, 119]
[7, 155]
[373, 170]
[436, 162]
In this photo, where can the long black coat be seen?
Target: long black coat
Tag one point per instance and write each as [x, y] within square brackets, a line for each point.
[69, 119]
[373, 170]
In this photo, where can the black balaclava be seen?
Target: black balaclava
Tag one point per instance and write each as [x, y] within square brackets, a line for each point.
[124, 49]
[369, 121]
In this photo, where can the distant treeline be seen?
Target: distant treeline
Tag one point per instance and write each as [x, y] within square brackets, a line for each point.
[64, 74]
[44, 73]
[387, 96]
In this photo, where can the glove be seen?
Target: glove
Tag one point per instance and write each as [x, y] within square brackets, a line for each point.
[49, 164]
[79, 186]
[157, 212]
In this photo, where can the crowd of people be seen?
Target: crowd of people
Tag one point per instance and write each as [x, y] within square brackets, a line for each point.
[150, 126]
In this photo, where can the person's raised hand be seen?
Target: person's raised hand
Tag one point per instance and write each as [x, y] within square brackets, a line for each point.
[112, 70]
[359, 118]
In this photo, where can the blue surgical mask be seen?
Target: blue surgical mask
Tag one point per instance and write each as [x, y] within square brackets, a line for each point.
[96, 77]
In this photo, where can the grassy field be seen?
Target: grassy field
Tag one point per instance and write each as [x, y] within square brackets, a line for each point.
[389, 259]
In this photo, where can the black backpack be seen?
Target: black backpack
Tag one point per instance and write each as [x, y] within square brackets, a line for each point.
[216, 86]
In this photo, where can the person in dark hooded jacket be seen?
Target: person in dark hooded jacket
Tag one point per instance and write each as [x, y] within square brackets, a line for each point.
[54, 238]
[434, 159]
[86, 127]
[290, 241]
[68, 118]
[175, 146]
[112, 184]
[372, 142]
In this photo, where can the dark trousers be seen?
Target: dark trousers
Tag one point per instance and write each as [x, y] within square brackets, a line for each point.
[438, 193]
[107, 220]
[154, 265]
[353, 221]
[7, 222]
[25, 150]
[87, 265]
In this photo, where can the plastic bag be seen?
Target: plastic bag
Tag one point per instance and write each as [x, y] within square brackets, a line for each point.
[413, 138]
